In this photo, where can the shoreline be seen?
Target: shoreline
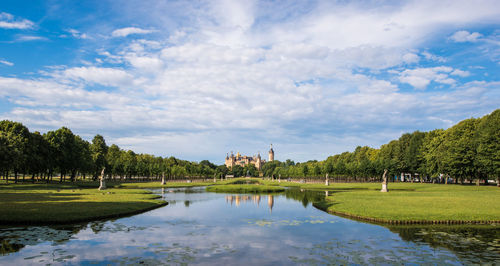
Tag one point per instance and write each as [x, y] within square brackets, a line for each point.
[382, 221]
[83, 220]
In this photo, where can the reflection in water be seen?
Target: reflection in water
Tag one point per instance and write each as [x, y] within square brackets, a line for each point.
[255, 199]
[305, 196]
[476, 244]
[209, 232]
[270, 202]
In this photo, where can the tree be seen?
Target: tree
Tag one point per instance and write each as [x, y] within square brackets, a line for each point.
[85, 163]
[15, 141]
[412, 154]
[63, 150]
[305, 170]
[113, 158]
[328, 167]
[38, 154]
[461, 146]
[434, 152]
[237, 171]
[316, 170]
[98, 149]
[489, 145]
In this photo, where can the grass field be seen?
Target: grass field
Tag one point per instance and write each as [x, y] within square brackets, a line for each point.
[81, 201]
[68, 203]
[410, 202]
[159, 185]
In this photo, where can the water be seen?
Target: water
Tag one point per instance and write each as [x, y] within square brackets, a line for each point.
[230, 229]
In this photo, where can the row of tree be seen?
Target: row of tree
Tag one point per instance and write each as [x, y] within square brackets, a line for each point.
[467, 151]
[62, 153]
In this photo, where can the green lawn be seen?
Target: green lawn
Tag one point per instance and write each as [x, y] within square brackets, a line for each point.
[81, 201]
[68, 203]
[410, 202]
[167, 184]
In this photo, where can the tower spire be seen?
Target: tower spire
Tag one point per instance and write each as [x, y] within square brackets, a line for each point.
[271, 154]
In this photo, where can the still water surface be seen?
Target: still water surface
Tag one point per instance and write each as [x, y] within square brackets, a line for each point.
[198, 227]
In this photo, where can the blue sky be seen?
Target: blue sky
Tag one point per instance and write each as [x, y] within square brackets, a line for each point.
[198, 79]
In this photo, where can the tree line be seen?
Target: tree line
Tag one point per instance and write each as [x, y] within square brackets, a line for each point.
[60, 153]
[467, 151]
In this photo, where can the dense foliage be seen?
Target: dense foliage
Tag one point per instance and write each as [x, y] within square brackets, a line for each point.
[467, 151]
[62, 153]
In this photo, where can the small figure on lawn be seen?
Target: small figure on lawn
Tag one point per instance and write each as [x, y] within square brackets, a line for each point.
[102, 184]
[384, 181]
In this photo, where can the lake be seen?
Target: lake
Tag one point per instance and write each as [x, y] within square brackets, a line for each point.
[199, 227]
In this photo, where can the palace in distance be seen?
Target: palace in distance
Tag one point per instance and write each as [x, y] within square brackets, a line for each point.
[242, 160]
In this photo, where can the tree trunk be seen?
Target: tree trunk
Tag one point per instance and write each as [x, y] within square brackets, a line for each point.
[15, 176]
[498, 181]
[33, 178]
[73, 174]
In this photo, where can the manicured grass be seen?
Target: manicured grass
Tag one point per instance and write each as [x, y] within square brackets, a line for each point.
[410, 202]
[244, 188]
[168, 184]
[69, 203]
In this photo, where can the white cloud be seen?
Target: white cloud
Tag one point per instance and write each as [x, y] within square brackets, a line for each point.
[5, 62]
[460, 73]
[124, 32]
[77, 34]
[411, 58]
[243, 74]
[465, 36]
[28, 38]
[99, 75]
[433, 57]
[7, 21]
[420, 78]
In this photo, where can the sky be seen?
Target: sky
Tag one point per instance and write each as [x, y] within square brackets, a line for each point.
[199, 79]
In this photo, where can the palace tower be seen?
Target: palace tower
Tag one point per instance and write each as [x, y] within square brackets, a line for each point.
[271, 154]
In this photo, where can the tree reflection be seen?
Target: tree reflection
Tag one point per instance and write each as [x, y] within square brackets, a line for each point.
[475, 244]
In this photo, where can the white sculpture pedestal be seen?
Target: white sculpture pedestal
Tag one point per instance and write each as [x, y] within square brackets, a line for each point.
[384, 188]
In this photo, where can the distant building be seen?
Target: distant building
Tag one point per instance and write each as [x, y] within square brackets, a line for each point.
[243, 160]
[271, 153]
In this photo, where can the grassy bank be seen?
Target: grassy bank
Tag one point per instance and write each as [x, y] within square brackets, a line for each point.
[69, 203]
[412, 203]
[167, 185]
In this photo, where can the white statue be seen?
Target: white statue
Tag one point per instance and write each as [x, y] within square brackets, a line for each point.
[102, 184]
[384, 182]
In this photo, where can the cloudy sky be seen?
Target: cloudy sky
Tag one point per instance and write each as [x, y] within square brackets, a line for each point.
[198, 79]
